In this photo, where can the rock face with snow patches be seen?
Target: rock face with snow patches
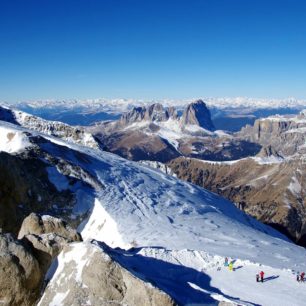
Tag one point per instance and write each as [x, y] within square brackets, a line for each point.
[86, 274]
[54, 128]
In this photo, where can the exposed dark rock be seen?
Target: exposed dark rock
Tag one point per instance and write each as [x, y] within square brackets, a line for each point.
[197, 113]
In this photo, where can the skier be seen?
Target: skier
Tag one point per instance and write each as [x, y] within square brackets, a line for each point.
[257, 278]
[302, 276]
[230, 266]
[226, 262]
[298, 277]
[262, 274]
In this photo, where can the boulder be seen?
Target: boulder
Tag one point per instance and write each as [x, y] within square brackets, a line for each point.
[47, 236]
[37, 225]
[20, 274]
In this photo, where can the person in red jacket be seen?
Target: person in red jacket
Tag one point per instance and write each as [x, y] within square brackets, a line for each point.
[262, 274]
[302, 276]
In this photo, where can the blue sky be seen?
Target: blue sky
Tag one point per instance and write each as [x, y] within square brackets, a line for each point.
[152, 49]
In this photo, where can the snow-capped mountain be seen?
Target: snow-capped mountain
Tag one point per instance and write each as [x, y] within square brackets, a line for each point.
[180, 234]
[123, 105]
[227, 113]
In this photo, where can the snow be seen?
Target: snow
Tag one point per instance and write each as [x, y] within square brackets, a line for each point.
[12, 140]
[268, 160]
[181, 234]
[228, 162]
[259, 160]
[103, 227]
[193, 128]
[76, 255]
[295, 186]
[170, 130]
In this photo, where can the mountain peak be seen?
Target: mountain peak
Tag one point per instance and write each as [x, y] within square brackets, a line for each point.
[197, 113]
[155, 112]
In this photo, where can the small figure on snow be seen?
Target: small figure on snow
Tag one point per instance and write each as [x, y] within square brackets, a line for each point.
[226, 262]
[262, 274]
[230, 266]
[298, 277]
[257, 278]
[302, 276]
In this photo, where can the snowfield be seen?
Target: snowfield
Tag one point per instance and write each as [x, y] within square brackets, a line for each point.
[176, 235]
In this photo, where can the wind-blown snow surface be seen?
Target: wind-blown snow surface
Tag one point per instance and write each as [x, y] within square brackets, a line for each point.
[179, 229]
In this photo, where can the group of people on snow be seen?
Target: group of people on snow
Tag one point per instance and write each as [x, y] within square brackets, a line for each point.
[300, 277]
[260, 277]
[230, 265]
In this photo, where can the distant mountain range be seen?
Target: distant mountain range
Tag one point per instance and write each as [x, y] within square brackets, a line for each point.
[159, 133]
[227, 113]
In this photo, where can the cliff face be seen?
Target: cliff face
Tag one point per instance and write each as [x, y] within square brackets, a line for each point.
[153, 113]
[286, 135]
[198, 114]
[24, 188]
[35, 181]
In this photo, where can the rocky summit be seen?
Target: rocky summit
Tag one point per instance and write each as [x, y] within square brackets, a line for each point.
[198, 114]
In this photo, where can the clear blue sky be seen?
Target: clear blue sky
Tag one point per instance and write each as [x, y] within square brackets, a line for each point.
[152, 49]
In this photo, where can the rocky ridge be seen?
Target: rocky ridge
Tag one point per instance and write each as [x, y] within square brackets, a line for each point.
[76, 135]
[197, 114]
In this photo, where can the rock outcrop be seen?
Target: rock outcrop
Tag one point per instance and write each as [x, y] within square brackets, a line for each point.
[87, 275]
[47, 236]
[37, 225]
[69, 133]
[153, 113]
[20, 274]
[24, 262]
[286, 135]
[25, 188]
[198, 114]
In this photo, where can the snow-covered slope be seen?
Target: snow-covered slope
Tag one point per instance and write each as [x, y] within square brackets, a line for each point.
[181, 233]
